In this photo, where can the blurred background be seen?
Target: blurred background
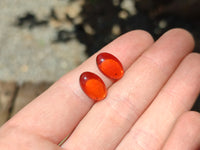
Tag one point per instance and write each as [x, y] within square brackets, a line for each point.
[42, 40]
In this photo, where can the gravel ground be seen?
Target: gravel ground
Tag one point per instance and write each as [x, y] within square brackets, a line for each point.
[30, 55]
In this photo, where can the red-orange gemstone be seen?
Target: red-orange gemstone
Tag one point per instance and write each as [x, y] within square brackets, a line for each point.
[110, 66]
[93, 86]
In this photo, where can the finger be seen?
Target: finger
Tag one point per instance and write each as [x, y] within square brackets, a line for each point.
[186, 133]
[19, 139]
[108, 121]
[176, 97]
[55, 113]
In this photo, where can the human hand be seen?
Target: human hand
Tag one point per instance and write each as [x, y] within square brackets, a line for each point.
[147, 109]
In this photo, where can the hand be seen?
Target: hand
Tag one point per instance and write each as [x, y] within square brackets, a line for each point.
[147, 109]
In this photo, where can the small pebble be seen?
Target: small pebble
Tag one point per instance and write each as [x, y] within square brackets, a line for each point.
[129, 5]
[123, 14]
[89, 30]
[116, 30]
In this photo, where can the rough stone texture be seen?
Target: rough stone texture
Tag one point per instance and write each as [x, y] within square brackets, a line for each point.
[27, 92]
[29, 54]
[129, 5]
[7, 92]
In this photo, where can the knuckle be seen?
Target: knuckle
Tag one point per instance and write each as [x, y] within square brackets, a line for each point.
[124, 107]
[145, 139]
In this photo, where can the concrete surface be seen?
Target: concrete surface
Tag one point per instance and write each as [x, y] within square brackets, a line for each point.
[30, 55]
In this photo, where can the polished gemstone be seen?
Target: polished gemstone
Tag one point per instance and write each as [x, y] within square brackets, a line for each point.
[110, 66]
[93, 86]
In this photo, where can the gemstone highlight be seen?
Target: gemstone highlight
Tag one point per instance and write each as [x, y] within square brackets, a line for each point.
[110, 66]
[93, 86]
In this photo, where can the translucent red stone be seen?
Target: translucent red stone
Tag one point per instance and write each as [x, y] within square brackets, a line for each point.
[93, 86]
[110, 66]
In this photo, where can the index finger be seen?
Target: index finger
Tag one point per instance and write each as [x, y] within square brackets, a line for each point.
[55, 113]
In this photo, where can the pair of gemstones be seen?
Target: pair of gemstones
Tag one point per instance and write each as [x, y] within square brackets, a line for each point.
[92, 85]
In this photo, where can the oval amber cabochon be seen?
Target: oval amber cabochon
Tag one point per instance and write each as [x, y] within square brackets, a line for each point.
[93, 86]
[110, 66]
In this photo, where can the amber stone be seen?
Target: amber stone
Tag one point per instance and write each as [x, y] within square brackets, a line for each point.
[110, 66]
[93, 86]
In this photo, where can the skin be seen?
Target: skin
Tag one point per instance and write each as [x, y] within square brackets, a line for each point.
[149, 108]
